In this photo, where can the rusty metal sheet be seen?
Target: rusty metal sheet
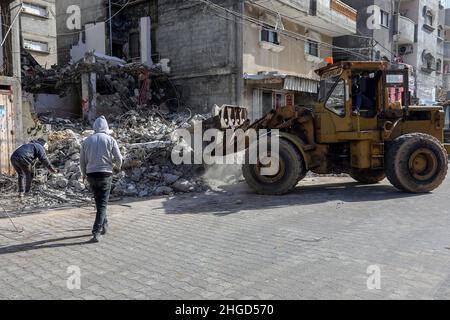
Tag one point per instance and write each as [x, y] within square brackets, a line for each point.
[7, 130]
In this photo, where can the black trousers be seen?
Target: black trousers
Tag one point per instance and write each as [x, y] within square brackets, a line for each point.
[101, 187]
[24, 172]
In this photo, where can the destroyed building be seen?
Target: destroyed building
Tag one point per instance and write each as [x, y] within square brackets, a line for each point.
[136, 100]
[229, 52]
[78, 22]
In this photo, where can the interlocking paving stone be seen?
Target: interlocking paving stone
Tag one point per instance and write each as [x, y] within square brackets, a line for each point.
[314, 243]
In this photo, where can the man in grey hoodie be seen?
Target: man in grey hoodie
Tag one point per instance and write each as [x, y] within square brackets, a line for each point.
[99, 157]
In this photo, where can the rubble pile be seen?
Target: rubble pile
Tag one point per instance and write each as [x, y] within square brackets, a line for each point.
[7, 183]
[120, 85]
[146, 142]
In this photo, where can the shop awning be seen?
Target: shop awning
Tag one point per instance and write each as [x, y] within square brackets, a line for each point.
[290, 83]
[300, 84]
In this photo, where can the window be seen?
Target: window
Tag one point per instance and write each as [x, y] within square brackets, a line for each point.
[312, 48]
[384, 19]
[332, 90]
[34, 9]
[429, 61]
[269, 35]
[313, 7]
[35, 45]
[429, 18]
[440, 32]
[439, 66]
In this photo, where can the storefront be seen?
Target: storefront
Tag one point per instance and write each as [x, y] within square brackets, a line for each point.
[268, 91]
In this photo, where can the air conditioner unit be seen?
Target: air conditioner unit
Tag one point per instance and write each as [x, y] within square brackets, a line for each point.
[405, 49]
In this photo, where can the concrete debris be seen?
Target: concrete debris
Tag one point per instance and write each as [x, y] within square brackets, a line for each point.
[119, 86]
[146, 141]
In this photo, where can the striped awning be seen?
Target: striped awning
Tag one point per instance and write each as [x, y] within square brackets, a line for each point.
[288, 82]
[292, 83]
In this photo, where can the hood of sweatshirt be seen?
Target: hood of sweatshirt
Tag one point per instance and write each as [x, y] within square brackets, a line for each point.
[101, 125]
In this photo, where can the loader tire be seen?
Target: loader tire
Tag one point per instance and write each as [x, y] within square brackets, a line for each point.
[416, 163]
[291, 170]
[367, 176]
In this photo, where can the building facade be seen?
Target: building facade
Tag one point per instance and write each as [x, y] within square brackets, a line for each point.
[259, 54]
[375, 30]
[10, 90]
[446, 70]
[407, 31]
[38, 30]
[81, 27]
[424, 51]
[283, 45]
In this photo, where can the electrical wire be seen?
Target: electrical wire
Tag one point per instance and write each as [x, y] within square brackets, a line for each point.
[286, 33]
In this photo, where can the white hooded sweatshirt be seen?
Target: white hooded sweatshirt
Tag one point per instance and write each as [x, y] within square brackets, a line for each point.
[100, 151]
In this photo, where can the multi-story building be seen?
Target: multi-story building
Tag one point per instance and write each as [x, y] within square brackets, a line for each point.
[446, 69]
[282, 46]
[38, 28]
[374, 38]
[423, 50]
[260, 54]
[408, 31]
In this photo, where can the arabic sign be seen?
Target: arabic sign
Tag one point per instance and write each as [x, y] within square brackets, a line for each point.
[332, 73]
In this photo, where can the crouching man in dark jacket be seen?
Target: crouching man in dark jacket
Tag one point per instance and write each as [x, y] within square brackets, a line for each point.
[99, 153]
[22, 160]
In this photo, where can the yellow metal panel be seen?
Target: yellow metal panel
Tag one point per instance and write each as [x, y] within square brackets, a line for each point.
[361, 154]
[447, 147]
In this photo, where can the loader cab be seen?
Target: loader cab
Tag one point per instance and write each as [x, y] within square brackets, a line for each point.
[364, 91]
[354, 96]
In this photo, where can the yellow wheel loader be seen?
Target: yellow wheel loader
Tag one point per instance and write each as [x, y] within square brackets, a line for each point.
[362, 125]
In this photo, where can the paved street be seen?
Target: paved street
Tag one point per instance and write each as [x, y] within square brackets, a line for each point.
[317, 242]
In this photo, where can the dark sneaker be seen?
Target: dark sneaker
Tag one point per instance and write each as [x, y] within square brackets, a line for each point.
[95, 238]
[104, 230]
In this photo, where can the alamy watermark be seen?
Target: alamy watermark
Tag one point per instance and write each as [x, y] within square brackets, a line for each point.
[74, 280]
[374, 21]
[213, 146]
[374, 279]
[73, 21]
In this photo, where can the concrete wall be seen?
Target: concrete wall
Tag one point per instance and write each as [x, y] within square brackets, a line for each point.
[205, 51]
[128, 22]
[42, 29]
[91, 11]
[382, 36]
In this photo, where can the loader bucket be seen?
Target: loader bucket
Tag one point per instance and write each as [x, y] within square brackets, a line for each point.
[231, 117]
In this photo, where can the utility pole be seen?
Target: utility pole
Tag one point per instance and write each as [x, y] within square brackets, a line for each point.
[110, 29]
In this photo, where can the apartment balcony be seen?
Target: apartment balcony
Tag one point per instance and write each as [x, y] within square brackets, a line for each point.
[330, 17]
[291, 9]
[406, 30]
